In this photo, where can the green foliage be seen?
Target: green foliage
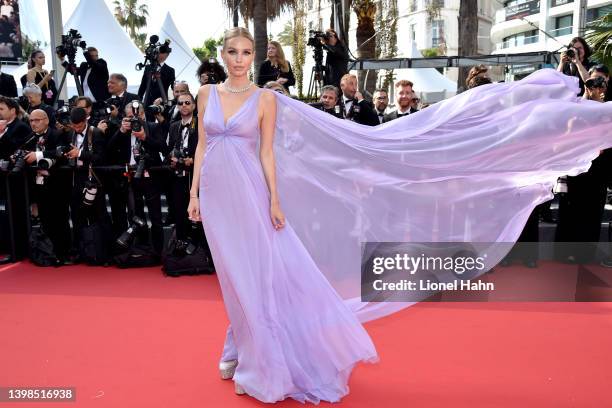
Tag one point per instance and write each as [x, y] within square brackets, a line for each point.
[430, 52]
[132, 16]
[285, 37]
[208, 49]
[599, 37]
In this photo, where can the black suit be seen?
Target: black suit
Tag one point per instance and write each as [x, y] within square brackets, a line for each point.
[97, 81]
[394, 115]
[180, 181]
[362, 112]
[167, 78]
[8, 87]
[53, 195]
[145, 189]
[16, 134]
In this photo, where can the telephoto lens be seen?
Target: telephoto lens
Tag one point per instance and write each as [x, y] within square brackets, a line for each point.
[45, 163]
[125, 240]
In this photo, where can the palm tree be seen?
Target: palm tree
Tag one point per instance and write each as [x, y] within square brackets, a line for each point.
[468, 35]
[132, 16]
[260, 11]
[599, 37]
[366, 43]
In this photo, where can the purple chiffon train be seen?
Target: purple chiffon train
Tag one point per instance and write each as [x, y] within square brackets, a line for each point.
[471, 168]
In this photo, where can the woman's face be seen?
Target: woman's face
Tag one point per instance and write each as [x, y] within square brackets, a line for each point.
[579, 50]
[272, 51]
[238, 56]
[39, 59]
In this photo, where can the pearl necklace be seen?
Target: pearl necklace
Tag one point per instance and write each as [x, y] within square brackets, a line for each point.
[232, 90]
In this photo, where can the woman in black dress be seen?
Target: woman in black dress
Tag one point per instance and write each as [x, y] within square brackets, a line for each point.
[276, 67]
[39, 76]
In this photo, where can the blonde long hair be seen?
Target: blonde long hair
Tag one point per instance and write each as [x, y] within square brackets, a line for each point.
[280, 56]
[237, 32]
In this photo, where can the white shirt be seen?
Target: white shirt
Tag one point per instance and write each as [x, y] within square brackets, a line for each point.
[132, 143]
[347, 103]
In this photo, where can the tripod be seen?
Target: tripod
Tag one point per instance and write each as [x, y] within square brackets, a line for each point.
[154, 77]
[316, 82]
[72, 68]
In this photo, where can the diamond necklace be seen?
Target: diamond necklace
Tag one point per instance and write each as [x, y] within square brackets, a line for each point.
[233, 90]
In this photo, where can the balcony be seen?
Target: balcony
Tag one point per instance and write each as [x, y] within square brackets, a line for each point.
[561, 31]
[523, 9]
[518, 42]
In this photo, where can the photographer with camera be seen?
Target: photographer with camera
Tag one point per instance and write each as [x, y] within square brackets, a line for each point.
[51, 186]
[156, 72]
[137, 145]
[353, 106]
[210, 72]
[336, 62]
[575, 61]
[182, 142]
[166, 114]
[13, 134]
[276, 67]
[35, 101]
[597, 87]
[328, 102]
[94, 76]
[119, 99]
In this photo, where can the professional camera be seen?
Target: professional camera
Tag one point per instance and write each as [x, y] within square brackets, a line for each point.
[70, 43]
[125, 240]
[135, 121]
[314, 38]
[141, 157]
[154, 48]
[19, 159]
[213, 70]
[155, 109]
[62, 115]
[180, 154]
[570, 53]
[597, 82]
[48, 162]
[90, 191]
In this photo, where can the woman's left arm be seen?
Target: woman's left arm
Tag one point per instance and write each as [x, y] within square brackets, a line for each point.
[267, 107]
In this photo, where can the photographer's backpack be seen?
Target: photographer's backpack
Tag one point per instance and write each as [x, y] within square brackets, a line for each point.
[41, 249]
[190, 257]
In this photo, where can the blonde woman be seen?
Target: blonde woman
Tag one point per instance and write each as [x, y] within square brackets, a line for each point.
[276, 67]
[290, 333]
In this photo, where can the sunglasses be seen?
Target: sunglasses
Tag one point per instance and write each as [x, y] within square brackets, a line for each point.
[181, 103]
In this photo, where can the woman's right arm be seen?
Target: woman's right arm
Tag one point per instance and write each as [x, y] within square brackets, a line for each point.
[194, 205]
[30, 76]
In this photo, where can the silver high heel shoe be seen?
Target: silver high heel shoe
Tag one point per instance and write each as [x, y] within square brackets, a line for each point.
[227, 369]
[238, 389]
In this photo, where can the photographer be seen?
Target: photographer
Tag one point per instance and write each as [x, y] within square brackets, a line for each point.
[328, 102]
[13, 134]
[597, 87]
[575, 61]
[210, 72]
[93, 74]
[353, 106]
[139, 150]
[182, 142]
[35, 101]
[51, 186]
[336, 63]
[170, 112]
[119, 99]
[165, 74]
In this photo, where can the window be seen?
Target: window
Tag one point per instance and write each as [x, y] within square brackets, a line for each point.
[595, 13]
[560, 2]
[438, 3]
[516, 40]
[563, 25]
[412, 32]
[413, 5]
[437, 32]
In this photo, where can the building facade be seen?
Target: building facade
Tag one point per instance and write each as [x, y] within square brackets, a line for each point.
[544, 25]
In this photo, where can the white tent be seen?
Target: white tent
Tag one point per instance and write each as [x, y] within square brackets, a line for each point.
[182, 58]
[99, 29]
[31, 23]
[429, 83]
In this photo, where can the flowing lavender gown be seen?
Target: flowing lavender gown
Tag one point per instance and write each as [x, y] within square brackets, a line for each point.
[289, 329]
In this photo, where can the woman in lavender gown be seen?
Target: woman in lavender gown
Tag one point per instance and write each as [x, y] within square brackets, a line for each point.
[290, 334]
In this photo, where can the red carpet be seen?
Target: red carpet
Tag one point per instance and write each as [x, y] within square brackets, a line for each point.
[133, 338]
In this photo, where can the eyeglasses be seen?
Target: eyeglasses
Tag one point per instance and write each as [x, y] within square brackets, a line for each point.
[415, 99]
[181, 103]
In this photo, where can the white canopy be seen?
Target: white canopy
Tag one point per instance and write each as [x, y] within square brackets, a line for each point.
[182, 58]
[99, 29]
[429, 83]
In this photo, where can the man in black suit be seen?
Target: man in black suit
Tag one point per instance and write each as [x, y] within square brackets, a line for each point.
[13, 134]
[381, 101]
[8, 87]
[164, 75]
[93, 74]
[128, 147]
[182, 142]
[328, 101]
[87, 148]
[405, 97]
[51, 187]
[354, 106]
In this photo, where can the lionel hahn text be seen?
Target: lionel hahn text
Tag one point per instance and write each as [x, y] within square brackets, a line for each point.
[428, 285]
